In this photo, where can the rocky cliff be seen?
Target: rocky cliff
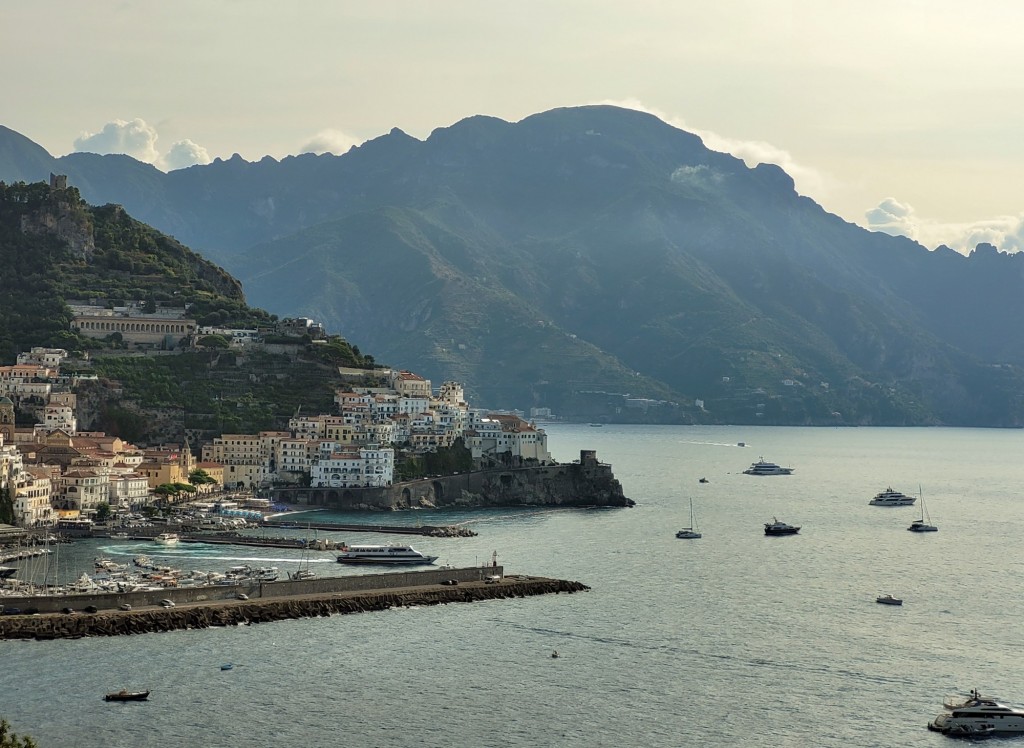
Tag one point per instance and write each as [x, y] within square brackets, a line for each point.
[584, 483]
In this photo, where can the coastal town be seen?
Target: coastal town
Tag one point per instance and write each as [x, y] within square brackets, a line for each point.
[55, 475]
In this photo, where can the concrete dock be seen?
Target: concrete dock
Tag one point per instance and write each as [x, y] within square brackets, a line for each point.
[272, 601]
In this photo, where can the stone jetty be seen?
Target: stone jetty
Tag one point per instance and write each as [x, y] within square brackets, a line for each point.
[276, 607]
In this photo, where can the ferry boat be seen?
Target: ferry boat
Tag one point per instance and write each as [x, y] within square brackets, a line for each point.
[383, 554]
[761, 467]
[978, 716]
[888, 497]
[166, 538]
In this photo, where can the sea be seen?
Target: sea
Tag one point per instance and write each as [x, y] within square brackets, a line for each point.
[735, 639]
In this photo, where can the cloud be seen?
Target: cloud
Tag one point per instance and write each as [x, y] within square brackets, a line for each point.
[900, 219]
[894, 218]
[185, 153]
[135, 138]
[330, 141]
[808, 181]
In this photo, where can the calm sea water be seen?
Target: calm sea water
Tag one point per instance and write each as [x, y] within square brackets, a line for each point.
[731, 640]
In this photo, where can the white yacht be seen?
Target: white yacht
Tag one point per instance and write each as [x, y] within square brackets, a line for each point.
[383, 554]
[979, 715]
[766, 468]
[888, 497]
[166, 538]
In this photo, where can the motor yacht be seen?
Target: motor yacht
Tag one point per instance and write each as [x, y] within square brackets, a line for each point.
[978, 716]
[779, 528]
[888, 600]
[888, 497]
[383, 554]
[762, 467]
[167, 538]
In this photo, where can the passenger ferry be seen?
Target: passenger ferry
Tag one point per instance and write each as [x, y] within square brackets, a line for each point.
[166, 538]
[766, 468]
[383, 554]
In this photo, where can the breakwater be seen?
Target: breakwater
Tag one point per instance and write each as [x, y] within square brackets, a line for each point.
[236, 612]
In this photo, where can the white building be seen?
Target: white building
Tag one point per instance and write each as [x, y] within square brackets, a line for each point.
[363, 467]
[32, 507]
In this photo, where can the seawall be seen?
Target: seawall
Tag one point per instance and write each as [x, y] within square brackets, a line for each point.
[586, 483]
[275, 601]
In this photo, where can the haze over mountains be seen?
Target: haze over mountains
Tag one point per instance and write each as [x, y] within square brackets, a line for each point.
[585, 254]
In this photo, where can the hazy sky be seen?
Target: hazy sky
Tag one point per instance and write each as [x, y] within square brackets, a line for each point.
[903, 115]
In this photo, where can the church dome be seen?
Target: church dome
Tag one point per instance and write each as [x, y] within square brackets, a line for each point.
[6, 401]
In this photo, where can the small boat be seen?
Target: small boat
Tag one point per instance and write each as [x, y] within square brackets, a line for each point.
[691, 532]
[124, 695]
[888, 600]
[925, 523]
[888, 497]
[762, 467]
[703, 480]
[555, 655]
[227, 666]
[167, 538]
[780, 528]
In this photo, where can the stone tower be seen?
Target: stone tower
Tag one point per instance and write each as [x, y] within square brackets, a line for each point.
[7, 420]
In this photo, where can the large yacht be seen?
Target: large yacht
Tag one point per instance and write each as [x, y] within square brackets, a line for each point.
[977, 716]
[766, 468]
[779, 528]
[383, 554]
[888, 497]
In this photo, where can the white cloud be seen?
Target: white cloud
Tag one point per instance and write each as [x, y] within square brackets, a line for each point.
[135, 138]
[900, 219]
[753, 152]
[185, 153]
[330, 141]
[893, 217]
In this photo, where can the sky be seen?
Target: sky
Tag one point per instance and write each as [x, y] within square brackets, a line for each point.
[905, 117]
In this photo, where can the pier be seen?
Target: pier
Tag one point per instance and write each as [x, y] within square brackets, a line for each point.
[267, 602]
[434, 531]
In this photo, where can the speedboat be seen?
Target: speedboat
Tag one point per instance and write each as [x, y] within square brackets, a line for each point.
[124, 695]
[979, 716]
[166, 538]
[761, 467]
[888, 497]
[383, 554]
[888, 600]
[779, 528]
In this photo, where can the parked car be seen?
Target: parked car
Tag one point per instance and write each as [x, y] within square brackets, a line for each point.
[67, 610]
[167, 603]
[91, 609]
[125, 606]
[242, 596]
[11, 611]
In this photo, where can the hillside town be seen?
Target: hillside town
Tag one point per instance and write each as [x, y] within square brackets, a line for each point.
[54, 474]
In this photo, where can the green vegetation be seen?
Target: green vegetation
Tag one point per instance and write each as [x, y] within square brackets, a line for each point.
[9, 739]
[443, 461]
[54, 248]
[6, 506]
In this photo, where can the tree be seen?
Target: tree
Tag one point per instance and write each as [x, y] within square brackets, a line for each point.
[102, 512]
[6, 506]
[9, 740]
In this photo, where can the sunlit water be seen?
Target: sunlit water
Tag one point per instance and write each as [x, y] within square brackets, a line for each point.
[733, 639]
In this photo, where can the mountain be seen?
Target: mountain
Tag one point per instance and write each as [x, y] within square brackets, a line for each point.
[602, 263]
[56, 249]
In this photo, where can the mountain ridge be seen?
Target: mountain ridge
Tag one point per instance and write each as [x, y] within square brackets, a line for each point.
[633, 260]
